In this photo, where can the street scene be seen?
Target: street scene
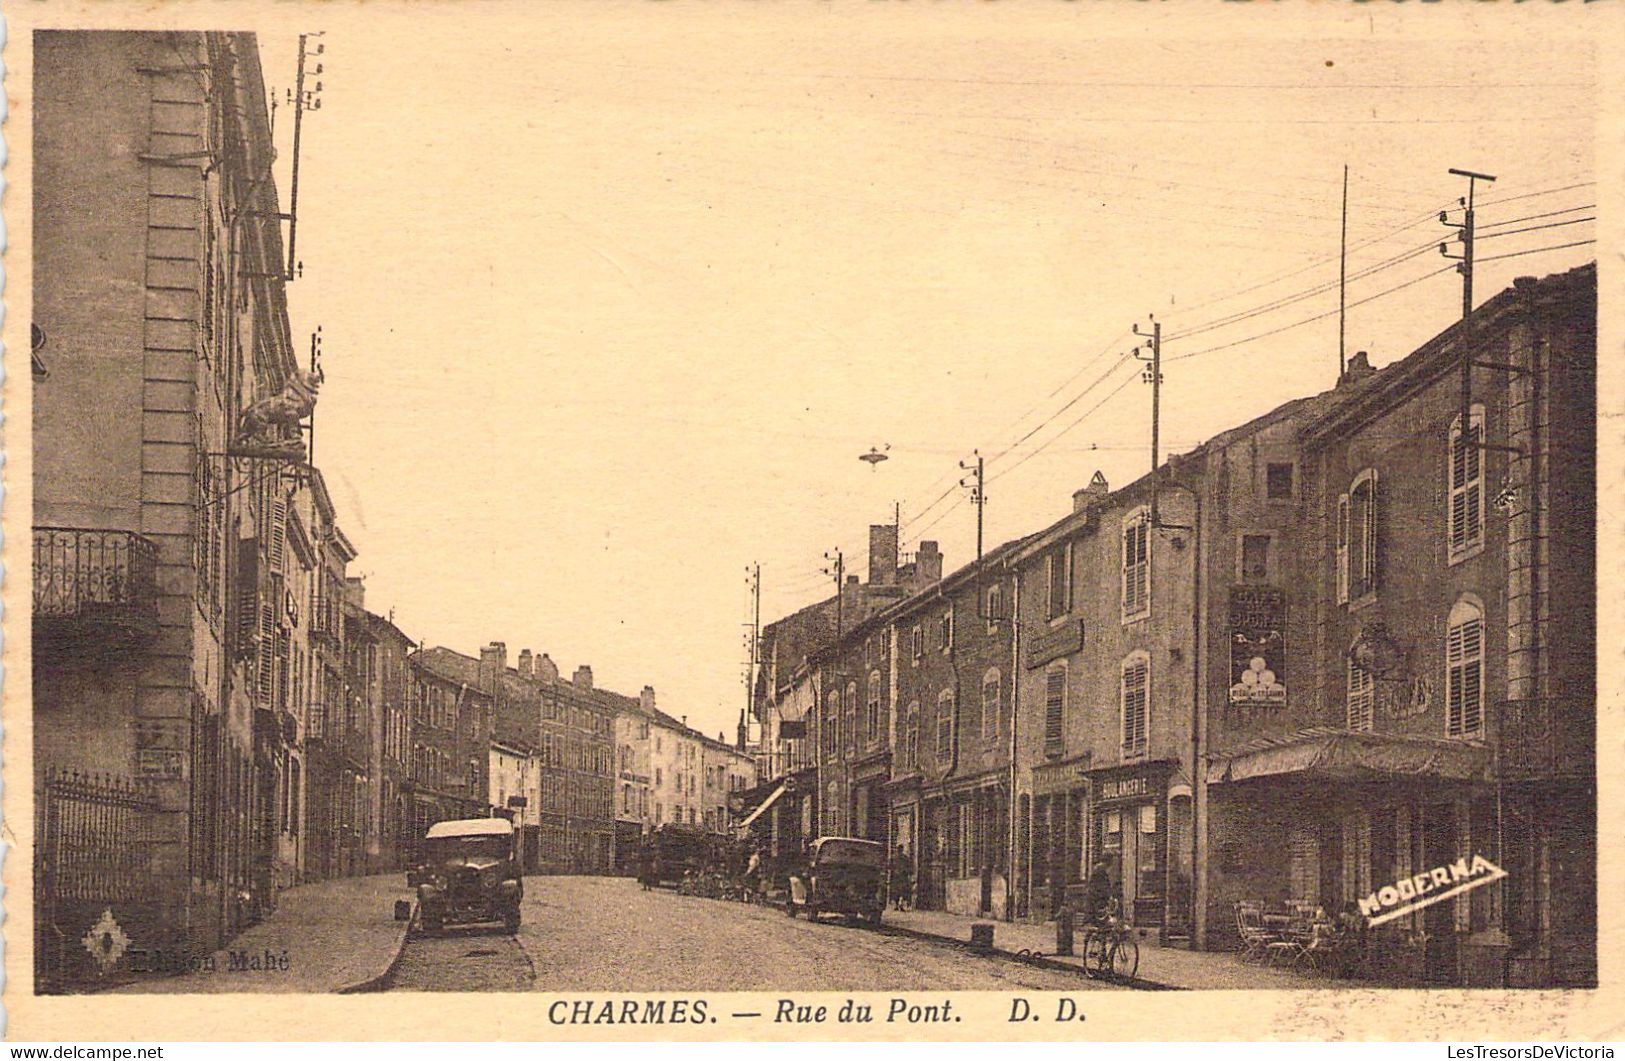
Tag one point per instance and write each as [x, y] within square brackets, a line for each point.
[794, 539]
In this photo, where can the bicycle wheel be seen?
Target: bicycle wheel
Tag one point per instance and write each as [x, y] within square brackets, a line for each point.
[1096, 951]
[1125, 960]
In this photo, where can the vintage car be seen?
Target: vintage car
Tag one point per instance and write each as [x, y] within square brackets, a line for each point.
[843, 875]
[469, 874]
[677, 850]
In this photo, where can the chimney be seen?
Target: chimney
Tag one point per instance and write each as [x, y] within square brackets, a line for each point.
[929, 563]
[882, 554]
[646, 700]
[1096, 490]
[546, 669]
[526, 668]
[493, 663]
[685, 721]
[583, 678]
[743, 734]
[1359, 367]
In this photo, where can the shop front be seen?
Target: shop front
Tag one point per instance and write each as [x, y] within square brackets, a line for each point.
[1054, 825]
[1330, 818]
[1130, 827]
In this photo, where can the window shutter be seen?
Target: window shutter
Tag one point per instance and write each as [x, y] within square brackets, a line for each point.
[267, 654]
[1343, 549]
[1465, 692]
[248, 598]
[1054, 711]
[1135, 676]
[1373, 536]
[282, 668]
[1361, 697]
[278, 537]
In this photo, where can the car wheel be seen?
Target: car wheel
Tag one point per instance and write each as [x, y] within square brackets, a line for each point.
[812, 912]
[874, 916]
[510, 922]
[790, 909]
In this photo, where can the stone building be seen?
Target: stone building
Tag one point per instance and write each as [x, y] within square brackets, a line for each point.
[451, 738]
[1451, 647]
[949, 718]
[164, 732]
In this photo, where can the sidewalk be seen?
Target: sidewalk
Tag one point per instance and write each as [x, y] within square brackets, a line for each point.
[336, 935]
[1167, 967]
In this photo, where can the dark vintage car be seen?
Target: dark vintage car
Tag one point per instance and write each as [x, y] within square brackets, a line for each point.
[843, 875]
[468, 874]
[677, 850]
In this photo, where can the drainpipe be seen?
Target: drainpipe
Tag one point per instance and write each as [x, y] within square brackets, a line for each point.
[1015, 721]
[1198, 728]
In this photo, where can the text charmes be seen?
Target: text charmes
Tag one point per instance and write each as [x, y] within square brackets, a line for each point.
[1428, 887]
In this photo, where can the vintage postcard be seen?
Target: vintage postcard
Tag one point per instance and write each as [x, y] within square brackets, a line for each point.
[885, 521]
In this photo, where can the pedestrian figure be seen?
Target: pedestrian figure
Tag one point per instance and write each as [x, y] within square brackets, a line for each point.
[1098, 895]
[902, 879]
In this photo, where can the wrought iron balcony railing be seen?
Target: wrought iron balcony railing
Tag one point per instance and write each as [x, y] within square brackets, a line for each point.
[98, 585]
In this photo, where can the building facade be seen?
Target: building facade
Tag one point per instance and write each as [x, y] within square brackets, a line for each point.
[159, 317]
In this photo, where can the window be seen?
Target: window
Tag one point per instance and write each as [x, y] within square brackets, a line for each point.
[1055, 711]
[1362, 696]
[1466, 476]
[1058, 598]
[992, 703]
[1255, 558]
[1136, 706]
[916, 642]
[1464, 666]
[1357, 539]
[1137, 566]
[945, 627]
[995, 607]
[660, 777]
[871, 717]
[910, 750]
[849, 717]
[945, 726]
[1278, 482]
[831, 721]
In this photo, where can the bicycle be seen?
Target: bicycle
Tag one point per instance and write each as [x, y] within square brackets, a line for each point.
[1110, 949]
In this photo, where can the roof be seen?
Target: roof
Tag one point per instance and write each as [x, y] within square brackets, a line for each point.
[453, 666]
[470, 827]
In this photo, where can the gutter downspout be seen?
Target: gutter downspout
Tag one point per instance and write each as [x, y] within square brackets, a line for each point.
[1198, 729]
[1015, 721]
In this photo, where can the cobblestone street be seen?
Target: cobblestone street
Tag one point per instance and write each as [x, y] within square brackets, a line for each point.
[607, 934]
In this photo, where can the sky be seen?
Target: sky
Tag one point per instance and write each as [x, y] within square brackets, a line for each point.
[613, 300]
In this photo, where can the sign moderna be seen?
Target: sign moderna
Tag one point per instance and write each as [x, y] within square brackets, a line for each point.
[1410, 894]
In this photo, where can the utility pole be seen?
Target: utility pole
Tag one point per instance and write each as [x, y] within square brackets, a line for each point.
[755, 583]
[1342, 277]
[978, 496]
[300, 100]
[1153, 376]
[837, 569]
[1464, 266]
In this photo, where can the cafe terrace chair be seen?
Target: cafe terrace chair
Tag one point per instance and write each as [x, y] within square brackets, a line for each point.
[1255, 938]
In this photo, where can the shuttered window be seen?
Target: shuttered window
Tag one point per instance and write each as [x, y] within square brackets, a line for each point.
[1059, 598]
[1136, 705]
[945, 727]
[1055, 711]
[1362, 695]
[1342, 561]
[1362, 540]
[992, 703]
[1137, 566]
[1466, 475]
[1464, 660]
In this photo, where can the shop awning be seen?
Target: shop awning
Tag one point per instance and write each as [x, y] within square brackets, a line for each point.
[744, 826]
[1346, 754]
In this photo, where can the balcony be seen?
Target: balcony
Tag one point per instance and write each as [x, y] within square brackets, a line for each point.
[1546, 739]
[96, 589]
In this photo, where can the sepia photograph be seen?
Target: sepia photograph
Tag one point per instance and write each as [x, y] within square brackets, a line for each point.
[703, 513]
